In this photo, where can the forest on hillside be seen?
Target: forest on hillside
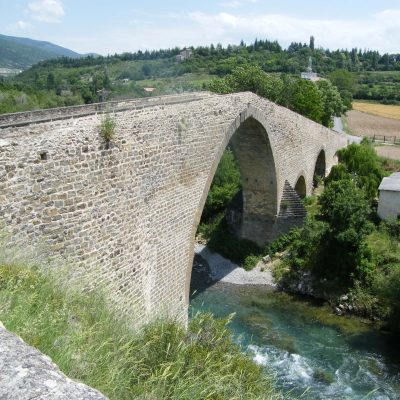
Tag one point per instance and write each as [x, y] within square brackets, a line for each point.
[66, 81]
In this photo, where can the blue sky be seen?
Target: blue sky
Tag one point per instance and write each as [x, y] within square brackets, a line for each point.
[121, 25]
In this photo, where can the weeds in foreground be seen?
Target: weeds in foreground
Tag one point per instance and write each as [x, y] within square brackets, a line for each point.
[163, 361]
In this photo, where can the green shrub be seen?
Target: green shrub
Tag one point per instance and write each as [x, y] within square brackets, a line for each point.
[387, 287]
[250, 262]
[282, 242]
[361, 164]
[107, 129]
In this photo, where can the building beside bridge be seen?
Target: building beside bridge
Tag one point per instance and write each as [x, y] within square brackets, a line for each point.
[389, 197]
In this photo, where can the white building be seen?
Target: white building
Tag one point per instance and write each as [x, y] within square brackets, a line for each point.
[389, 197]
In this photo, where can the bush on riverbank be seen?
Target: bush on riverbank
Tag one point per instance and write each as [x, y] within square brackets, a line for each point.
[89, 343]
[344, 247]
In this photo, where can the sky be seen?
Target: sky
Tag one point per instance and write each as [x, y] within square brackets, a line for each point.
[108, 27]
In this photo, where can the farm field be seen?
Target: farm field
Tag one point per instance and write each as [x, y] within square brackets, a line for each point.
[363, 124]
[392, 152]
[381, 110]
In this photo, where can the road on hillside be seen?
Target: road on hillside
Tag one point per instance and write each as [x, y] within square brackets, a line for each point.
[338, 127]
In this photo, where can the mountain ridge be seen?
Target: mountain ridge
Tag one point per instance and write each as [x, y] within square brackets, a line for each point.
[22, 53]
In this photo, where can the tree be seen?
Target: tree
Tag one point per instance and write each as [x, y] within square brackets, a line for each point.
[361, 164]
[51, 81]
[303, 97]
[312, 42]
[249, 78]
[318, 103]
[332, 104]
[146, 69]
[346, 211]
[346, 82]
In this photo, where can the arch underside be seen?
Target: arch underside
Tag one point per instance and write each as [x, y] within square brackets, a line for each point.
[320, 168]
[252, 149]
[300, 187]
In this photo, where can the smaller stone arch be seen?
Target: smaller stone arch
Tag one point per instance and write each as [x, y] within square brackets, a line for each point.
[320, 168]
[300, 187]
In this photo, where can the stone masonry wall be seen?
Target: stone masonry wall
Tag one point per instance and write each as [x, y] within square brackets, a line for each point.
[125, 217]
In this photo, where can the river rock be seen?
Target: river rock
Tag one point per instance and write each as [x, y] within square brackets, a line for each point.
[267, 259]
[27, 374]
[338, 311]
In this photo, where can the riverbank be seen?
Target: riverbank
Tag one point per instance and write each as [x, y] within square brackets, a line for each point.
[223, 270]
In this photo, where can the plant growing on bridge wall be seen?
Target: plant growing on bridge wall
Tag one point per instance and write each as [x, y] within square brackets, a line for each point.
[107, 129]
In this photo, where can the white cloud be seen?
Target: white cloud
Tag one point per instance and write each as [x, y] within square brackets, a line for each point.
[380, 31]
[46, 10]
[238, 3]
[19, 26]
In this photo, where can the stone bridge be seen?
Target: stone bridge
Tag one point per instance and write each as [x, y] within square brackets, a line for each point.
[125, 215]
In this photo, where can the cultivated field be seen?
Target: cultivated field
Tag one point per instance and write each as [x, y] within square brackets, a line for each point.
[392, 152]
[363, 124]
[381, 110]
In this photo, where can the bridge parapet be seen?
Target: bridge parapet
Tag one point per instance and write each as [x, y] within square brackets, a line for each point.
[52, 114]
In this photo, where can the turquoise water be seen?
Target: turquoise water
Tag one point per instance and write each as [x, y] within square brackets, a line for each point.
[310, 350]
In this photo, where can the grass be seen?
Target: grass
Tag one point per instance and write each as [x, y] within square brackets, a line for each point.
[381, 110]
[389, 164]
[91, 344]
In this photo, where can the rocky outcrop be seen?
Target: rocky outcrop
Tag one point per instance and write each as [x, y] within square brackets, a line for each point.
[27, 374]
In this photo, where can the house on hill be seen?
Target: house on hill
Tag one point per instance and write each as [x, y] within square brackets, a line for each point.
[185, 54]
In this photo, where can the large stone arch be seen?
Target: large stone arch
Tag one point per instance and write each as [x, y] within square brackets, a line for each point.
[301, 187]
[254, 153]
[320, 168]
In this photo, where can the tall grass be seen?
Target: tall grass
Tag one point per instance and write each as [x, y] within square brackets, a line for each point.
[389, 164]
[91, 344]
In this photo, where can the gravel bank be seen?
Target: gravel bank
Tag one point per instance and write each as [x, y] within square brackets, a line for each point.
[224, 270]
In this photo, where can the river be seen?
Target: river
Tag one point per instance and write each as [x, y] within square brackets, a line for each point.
[311, 351]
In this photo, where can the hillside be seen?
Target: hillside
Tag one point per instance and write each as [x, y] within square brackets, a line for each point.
[21, 53]
[64, 81]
